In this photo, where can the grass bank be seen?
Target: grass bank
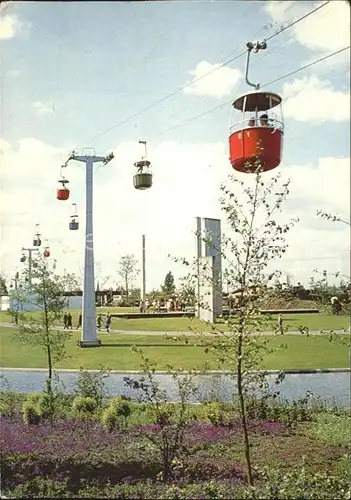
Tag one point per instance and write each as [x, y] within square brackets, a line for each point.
[297, 352]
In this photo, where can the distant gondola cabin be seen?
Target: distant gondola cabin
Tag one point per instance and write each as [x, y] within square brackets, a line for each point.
[142, 178]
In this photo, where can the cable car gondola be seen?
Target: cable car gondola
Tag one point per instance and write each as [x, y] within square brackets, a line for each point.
[142, 178]
[255, 141]
[46, 252]
[74, 224]
[62, 191]
[23, 258]
[36, 237]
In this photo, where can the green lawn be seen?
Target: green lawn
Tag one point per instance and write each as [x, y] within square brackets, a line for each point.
[116, 353]
[318, 321]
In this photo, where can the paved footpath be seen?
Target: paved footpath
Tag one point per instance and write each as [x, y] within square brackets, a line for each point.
[189, 333]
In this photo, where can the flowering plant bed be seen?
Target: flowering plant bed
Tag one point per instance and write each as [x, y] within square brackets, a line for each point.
[72, 458]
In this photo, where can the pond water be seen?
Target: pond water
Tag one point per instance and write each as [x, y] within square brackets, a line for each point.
[331, 387]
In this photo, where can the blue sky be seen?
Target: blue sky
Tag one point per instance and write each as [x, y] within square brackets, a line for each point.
[72, 70]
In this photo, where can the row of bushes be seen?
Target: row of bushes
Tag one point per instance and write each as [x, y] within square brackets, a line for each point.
[116, 411]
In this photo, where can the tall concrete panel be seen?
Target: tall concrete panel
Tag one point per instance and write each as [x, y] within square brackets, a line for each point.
[208, 244]
[206, 302]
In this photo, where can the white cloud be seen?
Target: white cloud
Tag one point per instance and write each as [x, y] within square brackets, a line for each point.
[185, 186]
[218, 84]
[324, 31]
[313, 100]
[10, 25]
[43, 108]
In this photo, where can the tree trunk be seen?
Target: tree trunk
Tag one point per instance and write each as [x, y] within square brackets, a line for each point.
[243, 412]
[127, 291]
[48, 349]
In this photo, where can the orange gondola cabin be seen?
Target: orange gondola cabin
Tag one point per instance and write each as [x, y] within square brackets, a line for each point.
[256, 140]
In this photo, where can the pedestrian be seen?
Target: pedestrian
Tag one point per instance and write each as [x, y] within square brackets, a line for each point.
[108, 323]
[99, 322]
[79, 321]
[65, 321]
[280, 325]
[142, 306]
[69, 321]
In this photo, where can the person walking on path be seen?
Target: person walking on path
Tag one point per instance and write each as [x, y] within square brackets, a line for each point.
[108, 323]
[69, 321]
[280, 325]
[99, 322]
[79, 321]
[65, 321]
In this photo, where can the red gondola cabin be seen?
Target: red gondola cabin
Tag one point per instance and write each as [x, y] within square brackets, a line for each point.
[255, 141]
[63, 192]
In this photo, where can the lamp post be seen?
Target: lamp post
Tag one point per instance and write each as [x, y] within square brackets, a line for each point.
[89, 336]
[17, 286]
[30, 261]
[143, 269]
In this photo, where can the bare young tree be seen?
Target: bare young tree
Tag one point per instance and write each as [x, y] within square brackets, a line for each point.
[254, 240]
[47, 295]
[128, 271]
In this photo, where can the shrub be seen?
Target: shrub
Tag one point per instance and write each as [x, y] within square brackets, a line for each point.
[84, 406]
[38, 487]
[109, 418]
[215, 413]
[298, 483]
[91, 385]
[122, 408]
[34, 398]
[8, 403]
[31, 413]
[332, 429]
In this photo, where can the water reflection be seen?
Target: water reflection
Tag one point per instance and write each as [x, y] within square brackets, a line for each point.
[330, 387]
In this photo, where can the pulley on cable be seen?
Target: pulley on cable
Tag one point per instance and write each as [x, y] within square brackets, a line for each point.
[255, 141]
[142, 178]
[36, 237]
[63, 191]
[74, 224]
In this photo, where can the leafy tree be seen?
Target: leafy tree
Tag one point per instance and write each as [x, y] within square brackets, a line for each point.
[252, 210]
[134, 295]
[47, 294]
[128, 271]
[187, 290]
[3, 287]
[321, 290]
[168, 286]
